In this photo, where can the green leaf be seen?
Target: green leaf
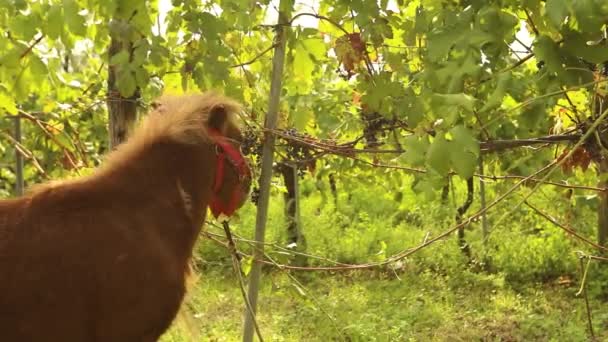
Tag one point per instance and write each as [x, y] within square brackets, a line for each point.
[126, 83]
[7, 103]
[532, 115]
[412, 109]
[37, 66]
[303, 67]
[415, 150]
[65, 141]
[437, 157]
[557, 10]
[547, 51]
[142, 77]
[24, 26]
[577, 45]
[567, 66]
[316, 48]
[440, 43]
[122, 57]
[54, 22]
[74, 21]
[428, 185]
[464, 101]
[301, 118]
[495, 99]
[464, 163]
[246, 263]
[140, 52]
[464, 151]
[11, 59]
[588, 15]
[464, 138]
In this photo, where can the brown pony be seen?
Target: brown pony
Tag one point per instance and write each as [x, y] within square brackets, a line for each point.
[105, 257]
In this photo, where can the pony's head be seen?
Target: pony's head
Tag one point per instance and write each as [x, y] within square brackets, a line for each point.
[211, 118]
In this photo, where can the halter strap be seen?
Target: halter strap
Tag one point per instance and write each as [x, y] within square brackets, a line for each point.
[225, 150]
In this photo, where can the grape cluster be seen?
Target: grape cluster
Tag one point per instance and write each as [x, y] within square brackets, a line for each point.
[251, 144]
[296, 147]
[298, 151]
[251, 147]
[374, 124]
[255, 195]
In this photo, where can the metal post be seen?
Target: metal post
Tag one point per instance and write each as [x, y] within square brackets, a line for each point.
[267, 161]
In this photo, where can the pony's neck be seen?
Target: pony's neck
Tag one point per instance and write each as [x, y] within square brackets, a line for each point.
[168, 182]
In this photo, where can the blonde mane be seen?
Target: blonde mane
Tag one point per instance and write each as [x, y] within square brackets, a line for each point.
[179, 118]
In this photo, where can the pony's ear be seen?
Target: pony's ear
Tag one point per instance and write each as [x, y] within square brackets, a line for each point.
[218, 118]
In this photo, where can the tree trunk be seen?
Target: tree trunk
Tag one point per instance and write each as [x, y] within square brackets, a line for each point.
[295, 237]
[602, 166]
[602, 227]
[122, 111]
[464, 246]
[482, 202]
[19, 183]
[445, 192]
[334, 189]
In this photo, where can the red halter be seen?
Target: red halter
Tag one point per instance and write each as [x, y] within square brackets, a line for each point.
[225, 150]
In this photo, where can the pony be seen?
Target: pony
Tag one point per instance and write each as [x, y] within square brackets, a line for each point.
[105, 256]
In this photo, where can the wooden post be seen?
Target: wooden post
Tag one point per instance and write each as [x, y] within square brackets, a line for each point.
[19, 183]
[122, 111]
[482, 200]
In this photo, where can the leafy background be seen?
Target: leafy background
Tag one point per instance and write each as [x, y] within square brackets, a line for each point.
[395, 103]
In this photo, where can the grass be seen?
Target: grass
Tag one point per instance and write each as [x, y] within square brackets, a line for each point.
[529, 293]
[373, 306]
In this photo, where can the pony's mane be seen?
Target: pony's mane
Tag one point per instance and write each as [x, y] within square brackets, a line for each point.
[178, 118]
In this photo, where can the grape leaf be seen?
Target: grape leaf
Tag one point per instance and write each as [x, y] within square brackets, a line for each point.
[38, 68]
[463, 162]
[125, 82]
[303, 67]
[557, 10]
[7, 103]
[495, 99]
[120, 58]
[437, 157]
[25, 26]
[73, 19]
[54, 22]
[301, 118]
[464, 150]
[142, 77]
[576, 44]
[547, 51]
[588, 15]
[412, 109]
[415, 150]
[464, 101]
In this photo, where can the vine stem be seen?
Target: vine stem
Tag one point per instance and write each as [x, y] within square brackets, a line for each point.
[569, 231]
[583, 290]
[259, 259]
[587, 134]
[544, 96]
[237, 270]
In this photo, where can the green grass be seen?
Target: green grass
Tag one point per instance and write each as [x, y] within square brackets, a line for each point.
[432, 296]
[373, 306]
